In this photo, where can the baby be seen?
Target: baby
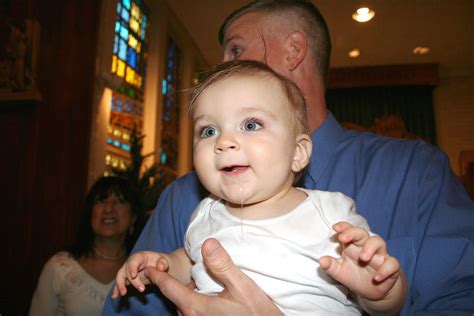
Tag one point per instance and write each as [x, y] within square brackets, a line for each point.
[307, 249]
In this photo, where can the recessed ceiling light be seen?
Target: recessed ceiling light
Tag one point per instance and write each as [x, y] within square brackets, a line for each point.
[354, 53]
[363, 14]
[421, 50]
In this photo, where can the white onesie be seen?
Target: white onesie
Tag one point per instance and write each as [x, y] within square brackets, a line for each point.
[280, 254]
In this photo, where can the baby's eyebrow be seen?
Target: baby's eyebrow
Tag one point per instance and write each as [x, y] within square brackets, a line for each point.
[198, 118]
[252, 109]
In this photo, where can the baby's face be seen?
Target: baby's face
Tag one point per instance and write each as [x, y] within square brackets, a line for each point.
[244, 139]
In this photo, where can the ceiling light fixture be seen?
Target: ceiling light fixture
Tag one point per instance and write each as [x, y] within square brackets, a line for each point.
[354, 53]
[363, 14]
[421, 50]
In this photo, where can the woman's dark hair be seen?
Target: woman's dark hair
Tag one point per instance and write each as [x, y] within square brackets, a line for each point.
[101, 189]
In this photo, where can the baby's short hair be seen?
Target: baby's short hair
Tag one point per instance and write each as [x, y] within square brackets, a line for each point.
[257, 69]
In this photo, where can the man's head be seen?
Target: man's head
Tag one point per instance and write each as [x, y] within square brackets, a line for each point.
[249, 131]
[274, 23]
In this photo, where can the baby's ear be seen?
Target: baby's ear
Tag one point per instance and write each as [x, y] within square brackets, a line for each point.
[303, 149]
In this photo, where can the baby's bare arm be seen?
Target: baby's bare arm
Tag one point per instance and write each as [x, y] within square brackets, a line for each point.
[179, 265]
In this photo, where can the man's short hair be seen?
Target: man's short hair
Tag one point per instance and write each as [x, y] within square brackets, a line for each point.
[304, 14]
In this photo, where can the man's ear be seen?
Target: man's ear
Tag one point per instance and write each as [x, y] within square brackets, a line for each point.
[303, 149]
[296, 45]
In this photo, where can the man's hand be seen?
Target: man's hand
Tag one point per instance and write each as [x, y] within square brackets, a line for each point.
[241, 296]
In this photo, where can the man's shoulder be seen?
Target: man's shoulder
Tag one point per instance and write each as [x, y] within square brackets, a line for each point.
[187, 182]
[372, 144]
[186, 190]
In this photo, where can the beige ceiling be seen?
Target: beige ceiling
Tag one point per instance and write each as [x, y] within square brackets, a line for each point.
[446, 26]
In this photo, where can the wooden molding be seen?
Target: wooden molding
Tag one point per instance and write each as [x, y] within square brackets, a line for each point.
[390, 75]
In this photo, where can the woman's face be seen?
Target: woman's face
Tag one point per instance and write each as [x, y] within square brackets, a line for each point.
[111, 217]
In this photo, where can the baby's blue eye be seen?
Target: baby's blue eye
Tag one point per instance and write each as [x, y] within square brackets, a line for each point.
[252, 125]
[208, 132]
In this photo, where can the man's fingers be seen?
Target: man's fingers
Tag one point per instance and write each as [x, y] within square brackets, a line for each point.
[238, 286]
[174, 290]
[219, 263]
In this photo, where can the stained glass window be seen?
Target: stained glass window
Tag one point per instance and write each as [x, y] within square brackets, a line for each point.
[128, 64]
[170, 118]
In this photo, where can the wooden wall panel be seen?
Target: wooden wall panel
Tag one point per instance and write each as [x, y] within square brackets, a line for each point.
[46, 145]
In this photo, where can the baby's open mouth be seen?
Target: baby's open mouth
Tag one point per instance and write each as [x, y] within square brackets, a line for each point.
[235, 168]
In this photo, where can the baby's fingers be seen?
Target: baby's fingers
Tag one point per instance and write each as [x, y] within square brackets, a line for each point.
[162, 264]
[374, 250]
[120, 283]
[137, 282]
[389, 268]
[331, 266]
[115, 292]
[134, 264]
[351, 234]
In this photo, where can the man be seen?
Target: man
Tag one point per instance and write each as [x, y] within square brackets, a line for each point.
[405, 190]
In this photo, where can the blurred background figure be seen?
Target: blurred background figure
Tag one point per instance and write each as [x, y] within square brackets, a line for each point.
[77, 280]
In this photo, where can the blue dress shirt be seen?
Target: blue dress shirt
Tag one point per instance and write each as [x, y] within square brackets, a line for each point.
[406, 191]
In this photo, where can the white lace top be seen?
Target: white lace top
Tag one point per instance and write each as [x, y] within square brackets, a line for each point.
[64, 288]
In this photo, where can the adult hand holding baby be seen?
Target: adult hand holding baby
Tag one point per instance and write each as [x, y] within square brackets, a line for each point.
[241, 295]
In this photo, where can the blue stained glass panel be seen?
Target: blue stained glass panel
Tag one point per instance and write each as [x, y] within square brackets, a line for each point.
[122, 54]
[127, 106]
[163, 157]
[126, 147]
[124, 32]
[126, 3]
[116, 41]
[132, 58]
[143, 27]
[164, 87]
[125, 15]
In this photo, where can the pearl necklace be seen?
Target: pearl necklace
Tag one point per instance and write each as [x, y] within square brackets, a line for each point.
[111, 258]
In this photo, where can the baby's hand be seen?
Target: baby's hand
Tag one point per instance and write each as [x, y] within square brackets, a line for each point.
[132, 272]
[365, 266]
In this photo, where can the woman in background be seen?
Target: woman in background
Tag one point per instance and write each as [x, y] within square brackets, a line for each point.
[76, 281]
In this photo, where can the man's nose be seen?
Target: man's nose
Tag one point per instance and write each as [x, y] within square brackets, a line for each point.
[226, 142]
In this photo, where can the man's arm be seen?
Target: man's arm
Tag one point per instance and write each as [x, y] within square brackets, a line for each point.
[443, 281]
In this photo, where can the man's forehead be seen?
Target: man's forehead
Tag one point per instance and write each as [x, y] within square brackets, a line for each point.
[243, 24]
